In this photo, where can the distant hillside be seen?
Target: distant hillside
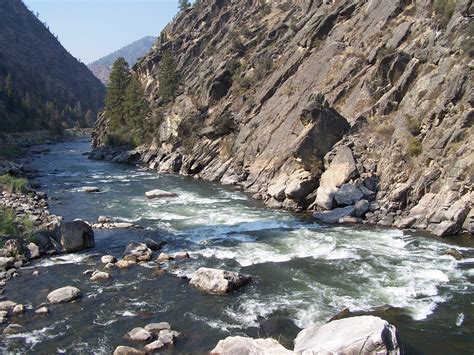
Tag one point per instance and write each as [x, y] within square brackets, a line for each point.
[132, 52]
[42, 86]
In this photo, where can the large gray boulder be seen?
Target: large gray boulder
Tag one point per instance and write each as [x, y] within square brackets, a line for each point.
[335, 215]
[342, 168]
[218, 281]
[247, 346]
[356, 335]
[64, 294]
[348, 195]
[76, 236]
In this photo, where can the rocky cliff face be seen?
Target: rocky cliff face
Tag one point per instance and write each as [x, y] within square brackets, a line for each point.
[364, 107]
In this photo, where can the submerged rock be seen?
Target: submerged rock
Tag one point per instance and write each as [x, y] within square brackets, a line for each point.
[218, 281]
[159, 194]
[456, 254]
[241, 345]
[153, 244]
[76, 236]
[64, 294]
[356, 335]
[90, 189]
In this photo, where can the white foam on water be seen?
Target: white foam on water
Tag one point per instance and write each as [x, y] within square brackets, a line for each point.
[64, 259]
[460, 319]
[215, 323]
[37, 336]
[126, 314]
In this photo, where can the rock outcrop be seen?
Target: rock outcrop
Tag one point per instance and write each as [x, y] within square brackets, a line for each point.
[320, 104]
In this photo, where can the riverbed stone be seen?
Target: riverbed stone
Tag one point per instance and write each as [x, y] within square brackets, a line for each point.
[6, 262]
[356, 335]
[181, 255]
[156, 345]
[7, 305]
[167, 336]
[139, 251]
[124, 264]
[242, 345]
[104, 219]
[155, 328]
[64, 294]
[76, 236]
[159, 194]
[100, 276]
[126, 350]
[218, 281]
[163, 257]
[107, 259]
[42, 311]
[138, 334]
[153, 244]
[19, 309]
[3, 317]
[14, 329]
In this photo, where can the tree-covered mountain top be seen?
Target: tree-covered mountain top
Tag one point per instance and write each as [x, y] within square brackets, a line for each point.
[130, 53]
[42, 86]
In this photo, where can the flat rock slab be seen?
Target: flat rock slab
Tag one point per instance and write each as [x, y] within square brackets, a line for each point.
[218, 281]
[241, 345]
[356, 335]
[159, 194]
[138, 334]
[64, 294]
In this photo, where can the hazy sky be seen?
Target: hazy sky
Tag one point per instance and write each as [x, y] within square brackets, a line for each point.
[90, 29]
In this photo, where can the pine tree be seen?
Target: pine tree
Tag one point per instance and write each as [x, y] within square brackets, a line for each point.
[184, 4]
[116, 91]
[135, 104]
[168, 77]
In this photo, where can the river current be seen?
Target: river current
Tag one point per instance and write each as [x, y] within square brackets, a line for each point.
[302, 272]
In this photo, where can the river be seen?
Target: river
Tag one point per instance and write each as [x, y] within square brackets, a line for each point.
[302, 272]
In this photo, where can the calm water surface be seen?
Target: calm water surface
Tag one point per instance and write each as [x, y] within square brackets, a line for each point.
[303, 272]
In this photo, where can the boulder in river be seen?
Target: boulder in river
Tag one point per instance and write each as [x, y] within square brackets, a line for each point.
[138, 334]
[356, 335]
[14, 329]
[242, 345]
[456, 254]
[159, 194]
[138, 250]
[167, 336]
[76, 236]
[104, 219]
[154, 346]
[124, 264]
[42, 310]
[218, 281]
[126, 350]
[6, 262]
[153, 244]
[156, 328]
[106, 259]
[7, 305]
[64, 294]
[99, 276]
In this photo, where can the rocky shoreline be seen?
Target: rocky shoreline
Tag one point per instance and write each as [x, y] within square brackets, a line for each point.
[343, 195]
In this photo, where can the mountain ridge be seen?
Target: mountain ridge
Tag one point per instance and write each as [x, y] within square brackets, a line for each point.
[131, 52]
[41, 84]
